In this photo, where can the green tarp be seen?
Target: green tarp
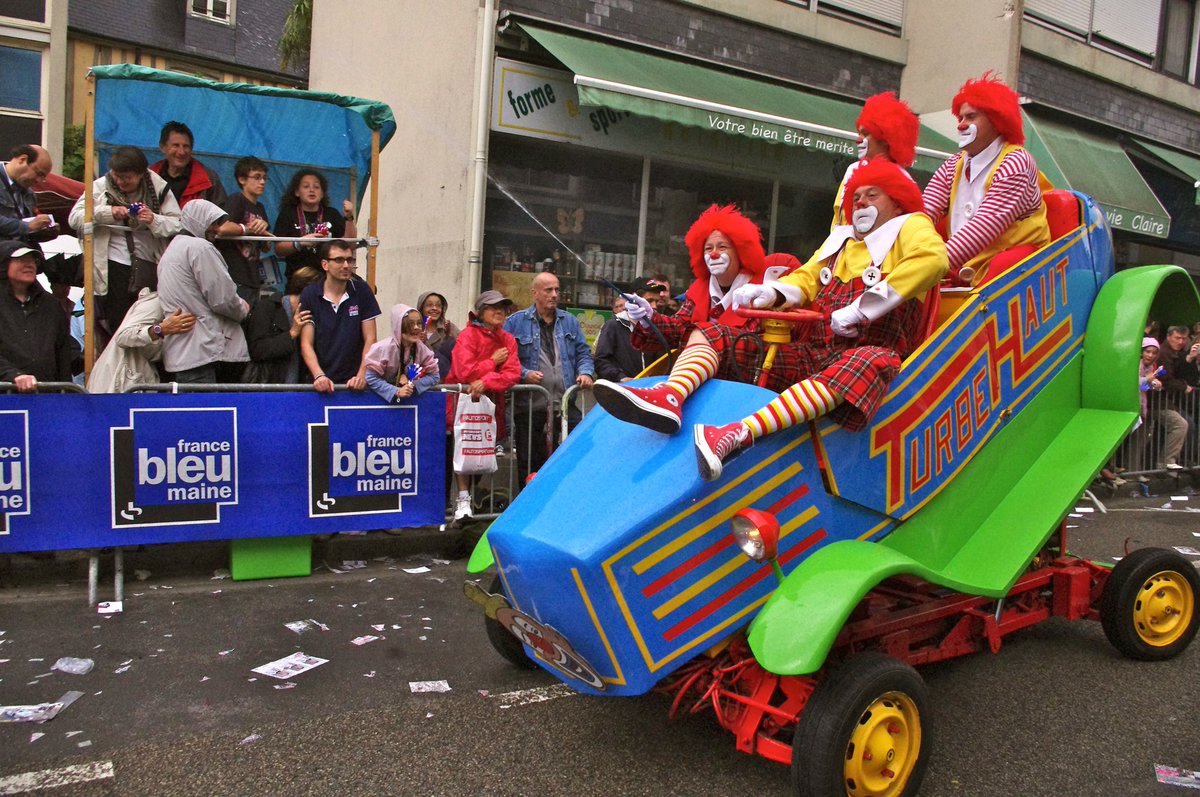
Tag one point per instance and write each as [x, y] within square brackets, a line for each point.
[1097, 166]
[656, 86]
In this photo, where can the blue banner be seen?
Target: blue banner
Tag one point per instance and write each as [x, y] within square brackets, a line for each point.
[82, 471]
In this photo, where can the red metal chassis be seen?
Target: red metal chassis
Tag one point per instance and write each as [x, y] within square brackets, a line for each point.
[904, 617]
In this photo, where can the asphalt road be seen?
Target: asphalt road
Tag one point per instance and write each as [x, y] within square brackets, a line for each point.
[1056, 712]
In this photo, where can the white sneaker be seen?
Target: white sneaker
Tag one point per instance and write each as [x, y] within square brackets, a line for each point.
[1174, 466]
[462, 507]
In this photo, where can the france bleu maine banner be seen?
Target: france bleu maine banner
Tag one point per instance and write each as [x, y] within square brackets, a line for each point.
[81, 471]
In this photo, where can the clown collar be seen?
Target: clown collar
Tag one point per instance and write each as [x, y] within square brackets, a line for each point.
[878, 242]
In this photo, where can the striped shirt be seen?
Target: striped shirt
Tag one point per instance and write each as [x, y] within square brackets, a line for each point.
[1014, 194]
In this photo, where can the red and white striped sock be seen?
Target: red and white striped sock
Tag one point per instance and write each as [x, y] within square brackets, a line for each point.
[801, 402]
[695, 366]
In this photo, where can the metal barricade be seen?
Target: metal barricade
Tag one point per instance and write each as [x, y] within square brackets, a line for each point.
[583, 400]
[45, 387]
[1148, 449]
[492, 493]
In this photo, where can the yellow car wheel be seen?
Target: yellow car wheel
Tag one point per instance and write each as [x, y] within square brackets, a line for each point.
[861, 733]
[1148, 607]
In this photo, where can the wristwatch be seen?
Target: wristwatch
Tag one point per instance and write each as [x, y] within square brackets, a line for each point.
[156, 331]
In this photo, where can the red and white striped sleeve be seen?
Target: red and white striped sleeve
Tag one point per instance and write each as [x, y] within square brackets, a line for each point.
[1014, 194]
[936, 195]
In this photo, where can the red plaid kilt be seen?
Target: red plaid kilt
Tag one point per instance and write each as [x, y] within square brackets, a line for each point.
[858, 369]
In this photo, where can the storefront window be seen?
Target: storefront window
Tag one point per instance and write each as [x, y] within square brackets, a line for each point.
[553, 207]
[678, 195]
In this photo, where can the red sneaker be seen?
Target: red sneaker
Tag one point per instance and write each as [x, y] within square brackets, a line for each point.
[715, 444]
[659, 408]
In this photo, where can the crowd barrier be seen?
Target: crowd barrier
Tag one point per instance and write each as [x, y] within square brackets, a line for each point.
[1144, 450]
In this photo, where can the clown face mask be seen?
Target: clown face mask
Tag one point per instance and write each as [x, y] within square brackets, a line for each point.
[720, 256]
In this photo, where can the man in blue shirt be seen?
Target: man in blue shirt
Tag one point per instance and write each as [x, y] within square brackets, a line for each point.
[555, 355]
[334, 343]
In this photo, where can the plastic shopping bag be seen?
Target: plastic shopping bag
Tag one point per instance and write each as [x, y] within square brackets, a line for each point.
[474, 435]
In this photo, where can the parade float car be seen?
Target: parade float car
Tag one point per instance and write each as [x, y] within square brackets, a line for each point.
[855, 555]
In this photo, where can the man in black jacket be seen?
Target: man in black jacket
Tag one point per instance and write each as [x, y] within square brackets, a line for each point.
[35, 336]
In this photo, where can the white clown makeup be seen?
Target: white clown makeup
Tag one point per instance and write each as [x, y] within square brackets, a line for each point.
[863, 143]
[864, 219]
[720, 256]
[965, 137]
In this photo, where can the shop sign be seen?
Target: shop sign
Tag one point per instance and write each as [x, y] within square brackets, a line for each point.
[544, 103]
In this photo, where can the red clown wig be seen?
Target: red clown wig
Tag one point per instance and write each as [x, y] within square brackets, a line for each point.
[742, 233]
[891, 120]
[891, 179]
[998, 101]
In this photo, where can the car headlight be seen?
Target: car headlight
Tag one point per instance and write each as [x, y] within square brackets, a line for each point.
[757, 533]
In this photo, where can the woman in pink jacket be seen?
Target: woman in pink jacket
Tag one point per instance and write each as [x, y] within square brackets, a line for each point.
[485, 359]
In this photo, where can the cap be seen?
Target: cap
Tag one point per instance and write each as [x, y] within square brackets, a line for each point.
[491, 298]
[24, 250]
[1147, 342]
[646, 285]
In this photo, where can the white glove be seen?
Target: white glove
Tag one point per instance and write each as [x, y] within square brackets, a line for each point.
[759, 297]
[845, 320]
[638, 309]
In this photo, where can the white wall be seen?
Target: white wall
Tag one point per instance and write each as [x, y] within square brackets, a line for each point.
[421, 58]
[950, 41]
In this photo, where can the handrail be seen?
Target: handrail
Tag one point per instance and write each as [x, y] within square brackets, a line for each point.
[45, 387]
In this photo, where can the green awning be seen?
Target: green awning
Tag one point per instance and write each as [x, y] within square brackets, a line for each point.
[1096, 166]
[1187, 165]
[617, 77]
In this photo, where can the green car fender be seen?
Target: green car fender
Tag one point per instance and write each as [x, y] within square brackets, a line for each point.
[482, 557]
[986, 532]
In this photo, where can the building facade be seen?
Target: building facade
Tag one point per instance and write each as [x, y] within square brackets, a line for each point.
[48, 46]
[584, 136]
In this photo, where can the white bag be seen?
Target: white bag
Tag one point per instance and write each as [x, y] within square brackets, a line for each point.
[474, 435]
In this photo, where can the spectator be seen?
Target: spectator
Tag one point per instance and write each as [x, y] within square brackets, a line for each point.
[304, 212]
[336, 340]
[128, 185]
[35, 334]
[1165, 404]
[192, 277]
[402, 366]
[888, 129]
[440, 331]
[989, 189]
[137, 346]
[187, 177]
[616, 358]
[19, 218]
[1148, 380]
[553, 354]
[485, 358]
[245, 209]
[273, 332]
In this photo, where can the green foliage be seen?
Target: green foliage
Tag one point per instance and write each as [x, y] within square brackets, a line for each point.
[72, 157]
[297, 34]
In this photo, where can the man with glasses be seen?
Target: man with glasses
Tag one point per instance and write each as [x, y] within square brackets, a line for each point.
[334, 343]
[19, 218]
[616, 358]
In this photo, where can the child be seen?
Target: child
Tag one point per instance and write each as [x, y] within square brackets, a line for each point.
[246, 210]
[402, 366]
[304, 212]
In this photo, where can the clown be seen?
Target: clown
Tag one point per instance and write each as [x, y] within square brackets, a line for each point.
[726, 254]
[888, 129]
[868, 278]
[990, 188]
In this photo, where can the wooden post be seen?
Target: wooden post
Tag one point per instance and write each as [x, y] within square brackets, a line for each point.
[373, 227]
[89, 167]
